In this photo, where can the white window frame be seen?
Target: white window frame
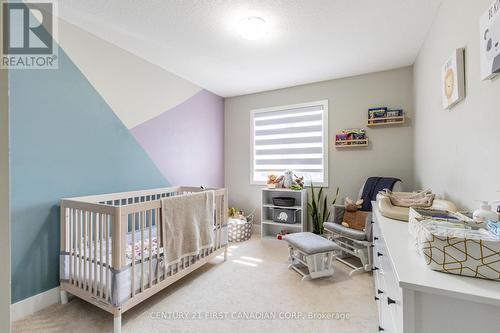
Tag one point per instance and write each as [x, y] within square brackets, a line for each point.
[324, 104]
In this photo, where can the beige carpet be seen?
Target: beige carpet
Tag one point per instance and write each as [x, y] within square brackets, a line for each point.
[253, 283]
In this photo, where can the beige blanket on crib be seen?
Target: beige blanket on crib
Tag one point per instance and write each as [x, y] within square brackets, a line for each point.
[187, 224]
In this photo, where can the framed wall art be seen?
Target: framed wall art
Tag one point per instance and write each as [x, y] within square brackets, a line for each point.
[453, 79]
[490, 41]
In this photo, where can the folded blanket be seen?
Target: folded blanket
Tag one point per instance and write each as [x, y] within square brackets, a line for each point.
[421, 199]
[406, 195]
[372, 186]
[187, 224]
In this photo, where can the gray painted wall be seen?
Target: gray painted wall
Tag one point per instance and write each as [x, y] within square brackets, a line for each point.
[456, 152]
[4, 205]
[390, 152]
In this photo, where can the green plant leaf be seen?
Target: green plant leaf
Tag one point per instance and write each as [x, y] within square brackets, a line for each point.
[336, 196]
[325, 207]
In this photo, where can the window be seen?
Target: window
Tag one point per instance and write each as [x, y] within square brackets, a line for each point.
[292, 137]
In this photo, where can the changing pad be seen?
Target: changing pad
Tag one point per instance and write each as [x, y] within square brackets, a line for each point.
[456, 248]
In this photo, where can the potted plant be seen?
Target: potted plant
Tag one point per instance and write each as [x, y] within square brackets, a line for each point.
[318, 208]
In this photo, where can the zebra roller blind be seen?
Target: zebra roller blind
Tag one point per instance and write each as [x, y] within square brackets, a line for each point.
[293, 137]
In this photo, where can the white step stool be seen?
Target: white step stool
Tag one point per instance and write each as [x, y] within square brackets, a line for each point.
[311, 255]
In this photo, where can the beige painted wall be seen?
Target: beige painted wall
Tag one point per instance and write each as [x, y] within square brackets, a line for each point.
[4, 205]
[135, 89]
[390, 152]
[457, 151]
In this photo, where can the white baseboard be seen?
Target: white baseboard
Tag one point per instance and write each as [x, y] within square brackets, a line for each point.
[35, 303]
[255, 229]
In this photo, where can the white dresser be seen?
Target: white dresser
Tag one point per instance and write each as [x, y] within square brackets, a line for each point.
[411, 298]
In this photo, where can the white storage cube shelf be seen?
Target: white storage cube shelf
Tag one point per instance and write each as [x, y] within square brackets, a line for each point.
[270, 228]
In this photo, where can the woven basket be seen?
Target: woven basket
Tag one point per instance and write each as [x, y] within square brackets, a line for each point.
[239, 230]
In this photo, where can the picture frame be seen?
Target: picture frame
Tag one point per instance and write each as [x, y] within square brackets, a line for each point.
[490, 41]
[453, 79]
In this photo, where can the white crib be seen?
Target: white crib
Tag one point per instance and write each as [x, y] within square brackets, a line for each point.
[111, 255]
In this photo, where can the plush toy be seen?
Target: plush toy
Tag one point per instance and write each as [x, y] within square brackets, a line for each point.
[288, 179]
[299, 181]
[352, 206]
[236, 214]
[353, 218]
[271, 181]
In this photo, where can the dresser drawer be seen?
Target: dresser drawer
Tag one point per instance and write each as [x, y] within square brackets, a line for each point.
[387, 291]
[386, 320]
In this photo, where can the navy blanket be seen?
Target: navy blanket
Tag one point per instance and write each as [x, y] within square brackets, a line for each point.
[374, 185]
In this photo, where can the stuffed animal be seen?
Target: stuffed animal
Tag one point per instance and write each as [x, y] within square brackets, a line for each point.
[288, 179]
[353, 218]
[299, 181]
[271, 181]
[352, 206]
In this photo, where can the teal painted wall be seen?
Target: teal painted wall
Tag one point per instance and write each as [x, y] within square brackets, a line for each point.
[65, 141]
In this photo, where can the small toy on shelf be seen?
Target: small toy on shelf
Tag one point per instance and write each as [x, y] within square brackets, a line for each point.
[271, 181]
[298, 183]
[288, 180]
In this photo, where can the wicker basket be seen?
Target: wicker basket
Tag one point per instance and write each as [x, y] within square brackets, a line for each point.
[239, 230]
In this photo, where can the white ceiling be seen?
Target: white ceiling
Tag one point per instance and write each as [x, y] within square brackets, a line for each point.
[309, 40]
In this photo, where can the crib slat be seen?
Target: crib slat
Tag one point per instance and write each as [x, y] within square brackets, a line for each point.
[101, 247]
[133, 255]
[142, 250]
[218, 221]
[71, 244]
[85, 225]
[106, 235]
[90, 284]
[164, 244]
[150, 248]
[107, 261]
[79, 248]
[96, 242]
[158, 243]
[75, 256]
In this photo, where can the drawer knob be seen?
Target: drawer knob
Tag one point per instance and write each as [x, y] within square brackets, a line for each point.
[372, 246]
[379, 291]
[375, 238]
[376, 298]
[380, 329]
[375, 268]
[372, 222]
[379, 254]
[390, 301]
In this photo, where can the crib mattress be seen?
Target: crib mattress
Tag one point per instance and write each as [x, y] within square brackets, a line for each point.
[119, 283]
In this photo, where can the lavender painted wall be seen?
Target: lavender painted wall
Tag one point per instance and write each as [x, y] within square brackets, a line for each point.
[187, 142]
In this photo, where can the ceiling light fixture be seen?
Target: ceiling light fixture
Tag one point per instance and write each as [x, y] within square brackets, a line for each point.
[252, 28]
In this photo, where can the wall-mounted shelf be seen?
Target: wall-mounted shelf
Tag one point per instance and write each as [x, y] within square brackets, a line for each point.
[387, 121]
[351, 143]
